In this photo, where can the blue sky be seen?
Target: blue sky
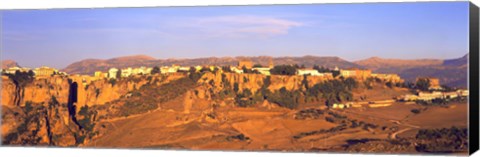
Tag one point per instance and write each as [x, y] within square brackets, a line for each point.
[351, 31]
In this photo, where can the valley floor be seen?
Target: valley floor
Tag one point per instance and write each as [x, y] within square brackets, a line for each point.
[277, 129]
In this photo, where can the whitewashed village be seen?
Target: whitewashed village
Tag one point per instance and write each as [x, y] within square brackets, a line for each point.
[435, 89]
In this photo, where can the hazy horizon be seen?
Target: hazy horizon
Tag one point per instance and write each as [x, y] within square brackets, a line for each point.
[59, 37]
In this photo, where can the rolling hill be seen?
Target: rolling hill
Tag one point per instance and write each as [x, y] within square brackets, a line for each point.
[89, 66]
[451, 72]
[9, 63]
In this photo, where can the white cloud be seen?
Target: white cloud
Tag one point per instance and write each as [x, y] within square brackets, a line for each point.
[239, 26]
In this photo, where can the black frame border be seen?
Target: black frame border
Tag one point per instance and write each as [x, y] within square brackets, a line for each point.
[473, 79]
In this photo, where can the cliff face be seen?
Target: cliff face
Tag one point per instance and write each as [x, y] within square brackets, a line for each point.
[44, 111]
[39, 91]
[39, 124]
[254, 82]
[213, 83]
[102, 91]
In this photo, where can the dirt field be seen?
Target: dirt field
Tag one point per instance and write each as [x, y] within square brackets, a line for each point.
[260, 129]
[439, 117]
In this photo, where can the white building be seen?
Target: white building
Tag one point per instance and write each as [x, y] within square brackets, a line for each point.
[312, 72]
[166, 69]
[236, 70]
[264, 71]
[184, 69]
[140, 71]
[12, 70]
[462, 92]
[112, 73]
[126, 72]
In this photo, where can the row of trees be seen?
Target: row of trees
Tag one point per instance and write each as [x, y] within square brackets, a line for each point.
[442, 140]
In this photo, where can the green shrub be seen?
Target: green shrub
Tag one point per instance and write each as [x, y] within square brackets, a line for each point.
[416, 111]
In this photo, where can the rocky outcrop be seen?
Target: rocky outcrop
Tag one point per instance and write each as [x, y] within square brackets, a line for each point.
[39, 124]
[254, 82]
[38, 92]
[102, 91]
[42, 90]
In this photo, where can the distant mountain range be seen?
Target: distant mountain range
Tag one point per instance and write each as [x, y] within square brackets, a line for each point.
[89, 66]
[8, 64]
[452, 72]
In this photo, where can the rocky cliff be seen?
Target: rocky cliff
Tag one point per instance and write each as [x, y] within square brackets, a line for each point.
[256, 81]
[50, 111]
[215, 82]
[39, 91]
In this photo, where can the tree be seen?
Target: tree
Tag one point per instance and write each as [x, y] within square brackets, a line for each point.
[284, 70]
[321, 69]
[235, 87]
[119, 74]
[215, 69]
[368, 83]
[422, 84]
[194, 75]
[22, 78]
[249, 71]
[324, 70]
[226, 69]
[389, 84]
[335, 73]
[205, 69]
[257, 65]
[350, 83]
[155, 70]
[305, 82]
[30, 73]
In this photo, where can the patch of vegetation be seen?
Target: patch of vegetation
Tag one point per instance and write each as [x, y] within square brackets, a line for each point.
[155, 70]
[240, 137]
[257, 65]
[25, 135]
[308, 114]
[141, 103]
[97, 92]
[416, 111]
[389, 84]
[112, 81]
[422, 84]
[53, 102]
[194, 75]
[333, 91]
[249, 71]
[284, 70]
[87, 122]
[322, 131]
[322, 69]
[445, 140]
[368, 83]
[440, 101]
[226, 69]
[22, 78]
[285, 98]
